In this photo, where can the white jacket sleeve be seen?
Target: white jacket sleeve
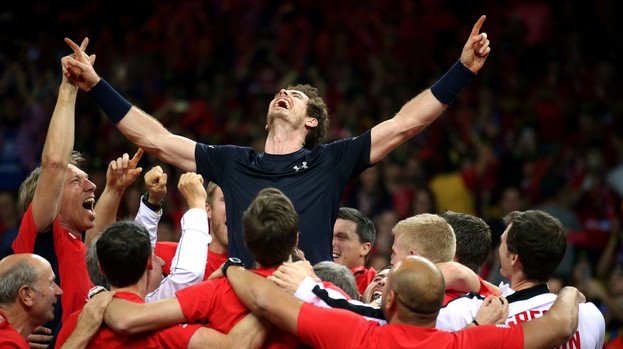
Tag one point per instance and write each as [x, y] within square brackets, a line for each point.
[189, 263]
[149, 219]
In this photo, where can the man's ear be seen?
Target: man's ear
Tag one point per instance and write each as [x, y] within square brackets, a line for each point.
[150, 262]
[365, 249]
[26, 295]
[311, 122]
[209, 210]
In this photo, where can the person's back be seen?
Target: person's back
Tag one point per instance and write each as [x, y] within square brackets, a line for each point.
[125, 257]
[270, 232]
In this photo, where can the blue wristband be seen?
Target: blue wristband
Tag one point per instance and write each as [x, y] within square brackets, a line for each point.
[111, 102]
[451, 83]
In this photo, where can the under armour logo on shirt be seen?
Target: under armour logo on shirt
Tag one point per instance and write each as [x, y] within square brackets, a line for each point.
[304, 165]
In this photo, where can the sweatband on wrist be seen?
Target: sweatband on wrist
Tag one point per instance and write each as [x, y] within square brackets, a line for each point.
[451, 83]
[111, 102]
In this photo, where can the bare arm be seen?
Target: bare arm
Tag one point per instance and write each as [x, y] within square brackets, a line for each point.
[422, 110]
[139, 127]
[561, 322]
[120, 175]
[249, 333]
[459, 277]
[130, 318]
[58, 146]
[259, 294]
[89, 321]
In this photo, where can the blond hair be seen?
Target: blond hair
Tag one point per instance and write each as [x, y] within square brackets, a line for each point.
[429, 235]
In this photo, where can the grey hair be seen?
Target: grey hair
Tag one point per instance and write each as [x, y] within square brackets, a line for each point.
[95, 274]
[338, 275]
[23, 273]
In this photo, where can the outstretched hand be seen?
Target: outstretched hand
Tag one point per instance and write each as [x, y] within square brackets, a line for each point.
[476, 49]
[78, 67]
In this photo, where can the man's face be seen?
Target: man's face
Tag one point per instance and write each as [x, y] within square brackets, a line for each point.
[218, 217]
[78, 200]
[399, 251]
[154, 277]
[289, 105]
[46, 293]
[374, 291]
[505, 255]
[347, 250]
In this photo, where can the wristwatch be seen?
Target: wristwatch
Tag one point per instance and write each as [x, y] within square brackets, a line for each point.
[229, 262]
[145, 200]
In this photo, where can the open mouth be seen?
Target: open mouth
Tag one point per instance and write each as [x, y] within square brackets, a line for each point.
[336, 255]
[282, 103]
[88, 204]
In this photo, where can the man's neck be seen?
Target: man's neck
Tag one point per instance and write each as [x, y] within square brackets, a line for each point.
[522, 284]
[136, 289]
[217, 247]
[18, 319]
[285, 142]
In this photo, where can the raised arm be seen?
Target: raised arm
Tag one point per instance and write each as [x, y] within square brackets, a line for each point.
[57, 149]
[139, 127]
[422, 110]
[259, 295]
[120, 175]
[150, 207]
[188, 264]
[557, 325]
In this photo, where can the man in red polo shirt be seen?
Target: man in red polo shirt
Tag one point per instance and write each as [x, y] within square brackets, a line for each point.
[125, 256]
[58, 200]
[413, 295]
[353, 238]
[27, 297]
[270, 227]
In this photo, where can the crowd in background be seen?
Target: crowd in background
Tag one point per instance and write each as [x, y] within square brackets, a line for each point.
[541, 127]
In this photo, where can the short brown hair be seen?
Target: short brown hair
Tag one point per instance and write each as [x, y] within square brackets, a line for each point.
[270, 227]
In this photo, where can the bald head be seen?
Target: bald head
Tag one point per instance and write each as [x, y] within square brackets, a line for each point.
[418, 286]
[17, 270]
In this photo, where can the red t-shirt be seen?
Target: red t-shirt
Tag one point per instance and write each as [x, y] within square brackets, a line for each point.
[484, 291]
[166, 251]
[215, 260]
[176, 336]
[9, 337]
[70, 253]
[339, 328]
[215, 302]
[363, 277]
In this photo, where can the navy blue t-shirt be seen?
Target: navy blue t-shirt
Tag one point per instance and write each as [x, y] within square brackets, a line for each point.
[312, 179]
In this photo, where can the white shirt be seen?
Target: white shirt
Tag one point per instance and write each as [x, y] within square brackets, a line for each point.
[525, 305]
[188, 264]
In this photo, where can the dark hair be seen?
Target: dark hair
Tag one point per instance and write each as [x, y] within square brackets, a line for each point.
[473, 238]
[317, 109]
[123, 251]
[270, 227]
[365, 228]
[539, 240]
[338, 275]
